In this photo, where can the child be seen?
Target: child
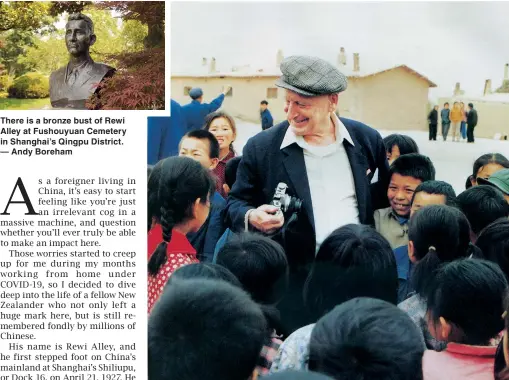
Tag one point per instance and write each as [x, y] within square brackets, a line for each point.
[486, 165]
[366, 338]
[427, 193]
[437, 234]
[183, 203]
[230, 176]
[406, 173]
[397, 145]
[222, 126]
[500, 180]
[494, 243]
[260, 265]
[202, 146]
[204, 329]
[456, 117]
[482, 205]
[502, 354]
[465, 308]
[354, 261]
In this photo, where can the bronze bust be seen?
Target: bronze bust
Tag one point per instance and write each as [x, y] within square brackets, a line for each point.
[72, 85]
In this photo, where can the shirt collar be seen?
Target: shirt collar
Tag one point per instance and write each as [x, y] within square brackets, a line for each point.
[341, 134]
[464, 349]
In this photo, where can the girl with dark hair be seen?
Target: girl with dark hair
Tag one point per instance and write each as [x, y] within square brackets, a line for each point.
[437, 234]
[397, 145]
[180, 206]
[353, 261]
[502, 354]
[486, 165]
[464, 309]
[222, 126]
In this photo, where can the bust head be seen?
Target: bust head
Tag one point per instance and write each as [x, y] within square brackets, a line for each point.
[79, 34]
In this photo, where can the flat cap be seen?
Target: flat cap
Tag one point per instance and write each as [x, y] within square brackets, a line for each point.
[499, 179]
[311, 76]
[195, 93]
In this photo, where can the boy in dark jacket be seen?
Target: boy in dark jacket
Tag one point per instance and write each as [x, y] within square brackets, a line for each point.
[471, 122]
[202, 146]
[446, 121]
[433, 121]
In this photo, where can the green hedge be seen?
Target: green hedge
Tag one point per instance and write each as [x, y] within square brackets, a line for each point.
[30, 86]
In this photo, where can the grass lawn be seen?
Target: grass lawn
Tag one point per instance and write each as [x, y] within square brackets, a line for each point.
[23, 104]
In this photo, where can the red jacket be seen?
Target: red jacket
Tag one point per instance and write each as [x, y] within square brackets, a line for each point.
[179, 253]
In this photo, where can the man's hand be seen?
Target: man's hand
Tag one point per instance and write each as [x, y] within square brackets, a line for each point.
[266, 219]
[227, 89]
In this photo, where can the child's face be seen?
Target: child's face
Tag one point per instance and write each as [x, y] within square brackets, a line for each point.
[223, 131]
[400, 192]
[198, 150]
[422, 199]
[486, 171]
[393, 154]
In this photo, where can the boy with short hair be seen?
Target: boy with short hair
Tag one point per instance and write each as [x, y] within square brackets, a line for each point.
[427, 193]
[406, 173]
[202, 146]
[204, 329]
[482, 205]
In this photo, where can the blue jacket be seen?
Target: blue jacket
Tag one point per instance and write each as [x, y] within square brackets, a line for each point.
[267, 120]
[444, 115]
[228, 234]
[195, 112]
[164, 134]
[206, 238]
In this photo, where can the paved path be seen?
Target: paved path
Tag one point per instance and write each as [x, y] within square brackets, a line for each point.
[453, 161]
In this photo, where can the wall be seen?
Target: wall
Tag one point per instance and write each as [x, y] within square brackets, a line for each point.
[493, 117]
[394, 100]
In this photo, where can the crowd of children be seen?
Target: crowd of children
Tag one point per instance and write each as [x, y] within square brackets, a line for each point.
[422, 295]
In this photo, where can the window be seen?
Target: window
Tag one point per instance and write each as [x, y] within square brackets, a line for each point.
[186, 90]
[272, 93]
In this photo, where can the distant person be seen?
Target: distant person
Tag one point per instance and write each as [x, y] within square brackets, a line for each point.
[500, 180]
[433, 122]
[463, 128]
[406, 173]
[482, 205]
[456, 117]
[485, 166]
[446, 121]
[471, 122]
[267, 120]
[196, 111]
[223, 127]
[164, 134]
[202, 146]
[396, 145]
[465, 307]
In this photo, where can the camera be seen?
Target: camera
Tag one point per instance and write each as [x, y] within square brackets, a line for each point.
[284, 202]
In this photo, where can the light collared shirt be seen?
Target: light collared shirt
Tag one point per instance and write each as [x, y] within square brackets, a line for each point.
[330, 179]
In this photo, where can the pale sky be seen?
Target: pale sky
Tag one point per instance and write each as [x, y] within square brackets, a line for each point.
[449, 42]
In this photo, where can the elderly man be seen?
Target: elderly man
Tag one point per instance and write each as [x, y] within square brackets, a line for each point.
[336, 166]
[195, 112]
[72, 85]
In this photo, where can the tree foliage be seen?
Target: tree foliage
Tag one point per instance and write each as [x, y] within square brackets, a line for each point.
[25, 15]
[138, 83]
